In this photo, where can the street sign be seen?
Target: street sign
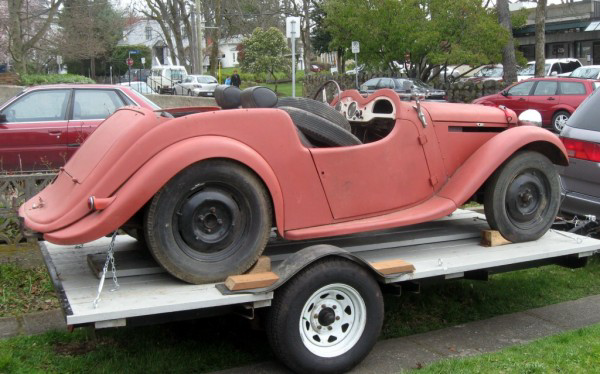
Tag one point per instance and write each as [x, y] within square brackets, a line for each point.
[129, 61]
[143, 60]
[134, 52]
[355, 47]
[292, 25]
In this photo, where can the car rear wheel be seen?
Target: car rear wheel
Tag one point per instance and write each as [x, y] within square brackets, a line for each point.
[210, 221]
[559, 120]
[522, 197]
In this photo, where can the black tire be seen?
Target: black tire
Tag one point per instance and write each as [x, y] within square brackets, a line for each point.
[317, 107]
[333, 282]
[559, 119]
[320, 129]
[522, 197]
[209, 221]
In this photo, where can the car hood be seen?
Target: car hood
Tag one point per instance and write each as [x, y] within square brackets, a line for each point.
[452, 112]
[65, 200]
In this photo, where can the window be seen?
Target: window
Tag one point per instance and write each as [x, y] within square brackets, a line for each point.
[39, 106]
[95, 104]
[371, 84]
[385, 83]
[522, 89]
[188, 79]
[572, 88]
[234, 54]
[544, 88]
[148, 32]
[176, 75]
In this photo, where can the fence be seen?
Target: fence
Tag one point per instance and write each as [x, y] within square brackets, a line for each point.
[14, 191]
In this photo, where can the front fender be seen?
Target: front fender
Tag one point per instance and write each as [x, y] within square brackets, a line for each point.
[480, 166]
[141, 186]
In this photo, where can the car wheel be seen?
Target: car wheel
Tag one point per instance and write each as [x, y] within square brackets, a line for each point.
[317, 107]
[522, 197]
[327, 318]
[210, 221]
[559, 120]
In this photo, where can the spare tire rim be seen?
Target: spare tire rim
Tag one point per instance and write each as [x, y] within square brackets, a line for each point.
[210, 222]
[526, 199]
[333, 320]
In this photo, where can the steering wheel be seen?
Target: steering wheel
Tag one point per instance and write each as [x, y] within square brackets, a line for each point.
[323, 89]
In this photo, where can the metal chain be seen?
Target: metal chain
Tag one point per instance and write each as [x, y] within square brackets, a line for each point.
[577, 240]
[110, 257]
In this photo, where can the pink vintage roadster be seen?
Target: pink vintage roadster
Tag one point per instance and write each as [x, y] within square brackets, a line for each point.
[205, 189]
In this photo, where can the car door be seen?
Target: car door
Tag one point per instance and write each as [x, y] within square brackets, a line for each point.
[90, 107]
[517, 97]
[572, 94]
[544, 99]
[34, 136]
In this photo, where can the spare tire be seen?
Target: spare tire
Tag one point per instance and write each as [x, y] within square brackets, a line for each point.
[317, 107]
[319, 129]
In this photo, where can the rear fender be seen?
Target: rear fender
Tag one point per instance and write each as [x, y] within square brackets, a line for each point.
[142, 185]
[480, 166]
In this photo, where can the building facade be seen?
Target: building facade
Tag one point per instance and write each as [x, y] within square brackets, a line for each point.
[572, 30]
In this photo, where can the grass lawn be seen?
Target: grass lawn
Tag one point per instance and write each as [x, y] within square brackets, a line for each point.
[572, 352]
[218, 343]
[25, 290]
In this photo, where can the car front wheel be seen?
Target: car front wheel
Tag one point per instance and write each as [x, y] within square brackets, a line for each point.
[210, 221]
[559, 120]
[522, 197]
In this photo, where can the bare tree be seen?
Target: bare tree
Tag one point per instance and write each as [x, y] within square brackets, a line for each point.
[540, 38]
[28, 23]
[509, 61]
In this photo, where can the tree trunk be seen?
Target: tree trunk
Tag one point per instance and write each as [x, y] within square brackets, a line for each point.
[308, 55]
[509, 61]
[540, 38]
[214, 53]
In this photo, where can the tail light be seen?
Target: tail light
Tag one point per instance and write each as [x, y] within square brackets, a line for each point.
[582, 150]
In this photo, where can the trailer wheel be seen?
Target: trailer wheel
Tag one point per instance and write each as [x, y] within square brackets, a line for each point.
[327, 318]
[209, 221]
[522, 197]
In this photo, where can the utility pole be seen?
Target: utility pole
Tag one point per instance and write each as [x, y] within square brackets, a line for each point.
[199, 35]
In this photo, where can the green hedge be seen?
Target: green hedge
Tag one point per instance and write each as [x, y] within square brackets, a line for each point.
[36, 79]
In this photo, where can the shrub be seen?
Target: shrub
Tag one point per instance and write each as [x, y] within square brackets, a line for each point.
[37, 79]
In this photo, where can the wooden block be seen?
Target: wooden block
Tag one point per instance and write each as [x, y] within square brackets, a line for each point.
[492, 238]
[263, 265]
[393, 267]
[250, 281]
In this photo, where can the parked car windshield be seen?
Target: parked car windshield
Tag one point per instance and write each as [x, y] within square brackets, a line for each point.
[530, 69]
[206, 80]
[586, 73]
[489, 72]
[586, 115]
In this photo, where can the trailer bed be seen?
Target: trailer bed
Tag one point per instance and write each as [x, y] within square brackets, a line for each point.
[447, 248]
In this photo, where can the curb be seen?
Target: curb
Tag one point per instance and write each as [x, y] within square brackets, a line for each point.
[32, 323]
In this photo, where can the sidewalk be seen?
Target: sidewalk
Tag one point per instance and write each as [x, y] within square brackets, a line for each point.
[411, 352]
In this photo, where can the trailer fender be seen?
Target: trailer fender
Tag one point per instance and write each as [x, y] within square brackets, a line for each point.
[142, 185]
[297, 261]
[480, 166]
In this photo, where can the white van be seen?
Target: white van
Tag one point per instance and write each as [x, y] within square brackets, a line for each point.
[553, 67]
[163, 78]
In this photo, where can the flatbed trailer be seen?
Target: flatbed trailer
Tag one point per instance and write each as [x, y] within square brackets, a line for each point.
[449, 248]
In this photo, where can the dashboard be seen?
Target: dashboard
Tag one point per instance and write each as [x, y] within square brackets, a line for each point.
[376, 109]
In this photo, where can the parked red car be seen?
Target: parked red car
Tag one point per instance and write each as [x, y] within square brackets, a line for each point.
[555, 98]
[41, 127]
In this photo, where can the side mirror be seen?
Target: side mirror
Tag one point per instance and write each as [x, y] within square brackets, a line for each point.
[3, 118]
[504, 93]
[530, 117]
[364, 87]
[553, 73]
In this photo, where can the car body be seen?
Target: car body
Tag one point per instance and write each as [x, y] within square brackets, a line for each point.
[135, 75]
[399, 85]
[45, 125]
[162, 79]
[581, 179]
[197, 85]
[586, 72]
[140, 87]
[487, 73]
[198, 183]
[556, 98]
[552, 67]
